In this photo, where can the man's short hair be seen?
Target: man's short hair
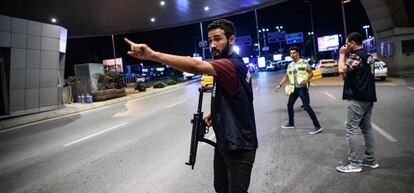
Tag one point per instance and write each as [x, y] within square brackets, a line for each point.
[223, 24]
[356, 37]
[294, 48]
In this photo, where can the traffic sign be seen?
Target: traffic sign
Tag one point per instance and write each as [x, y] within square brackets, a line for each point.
[276, 36]
[244, 40]
[294, 38]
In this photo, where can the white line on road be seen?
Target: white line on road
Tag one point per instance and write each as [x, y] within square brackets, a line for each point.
[329, 95]
[383, 133]
[177, 103]
[257, 88]
[95, 134]
[389, 84]
[411, 88]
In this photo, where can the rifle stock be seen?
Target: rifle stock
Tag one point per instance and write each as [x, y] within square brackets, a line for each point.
[199, 129]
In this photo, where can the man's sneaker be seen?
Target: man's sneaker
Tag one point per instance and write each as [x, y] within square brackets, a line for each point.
[316, 130]
[349, 168]
[372, 165]
[288, 126]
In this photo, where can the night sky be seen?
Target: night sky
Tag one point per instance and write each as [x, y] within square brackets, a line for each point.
[293, 15]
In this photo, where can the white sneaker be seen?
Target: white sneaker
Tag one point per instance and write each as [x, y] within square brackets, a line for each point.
[349, 168]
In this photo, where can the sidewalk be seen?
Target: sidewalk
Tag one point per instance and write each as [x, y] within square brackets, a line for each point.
[76, 108]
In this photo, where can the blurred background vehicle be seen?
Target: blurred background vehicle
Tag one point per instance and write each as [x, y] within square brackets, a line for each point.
[271, 66]
[381, 70]
[207, 80]
[252, 68]
[188, 76]
[328, 66]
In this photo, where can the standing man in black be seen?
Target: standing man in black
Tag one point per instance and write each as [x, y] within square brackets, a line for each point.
[359, 91]
[232, 113]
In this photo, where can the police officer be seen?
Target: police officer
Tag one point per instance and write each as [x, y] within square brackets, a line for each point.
[298, 74]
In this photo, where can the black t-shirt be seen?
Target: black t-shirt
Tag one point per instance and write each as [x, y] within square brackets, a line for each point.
[359, 80]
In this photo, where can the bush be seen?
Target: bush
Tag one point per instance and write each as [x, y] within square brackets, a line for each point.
[171, 82]
[159, 85]
[141, 87]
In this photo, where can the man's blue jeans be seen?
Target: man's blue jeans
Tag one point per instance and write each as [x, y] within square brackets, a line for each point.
[304, 96]
[358, 116]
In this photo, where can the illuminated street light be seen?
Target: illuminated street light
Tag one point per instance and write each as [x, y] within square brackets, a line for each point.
[366, 30]
[278, 28]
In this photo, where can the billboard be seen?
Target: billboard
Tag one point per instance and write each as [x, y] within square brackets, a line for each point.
[327, 43]
[113, 65]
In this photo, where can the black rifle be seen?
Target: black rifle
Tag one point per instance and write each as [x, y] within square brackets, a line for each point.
[199, 129]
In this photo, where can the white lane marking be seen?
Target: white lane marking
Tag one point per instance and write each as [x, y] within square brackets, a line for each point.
[411, 88]
[95, 134]
[177, 103]
[257, 88]
[383, 133]
[389, 84]
[329, 95]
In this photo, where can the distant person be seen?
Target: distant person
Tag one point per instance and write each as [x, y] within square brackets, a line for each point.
[359, 91]
[299, 73]
[232, 113]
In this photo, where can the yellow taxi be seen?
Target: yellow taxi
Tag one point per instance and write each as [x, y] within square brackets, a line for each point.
[207, 80]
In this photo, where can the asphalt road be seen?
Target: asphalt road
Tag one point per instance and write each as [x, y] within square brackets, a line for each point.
[142, 145]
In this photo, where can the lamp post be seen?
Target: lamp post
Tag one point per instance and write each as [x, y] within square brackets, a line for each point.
[313, 45]
[343, 15]
[313, 29]
[263, 31]
[366, 30]
[278, 28]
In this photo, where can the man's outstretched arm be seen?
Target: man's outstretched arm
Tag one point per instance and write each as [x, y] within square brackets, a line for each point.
[182, 63]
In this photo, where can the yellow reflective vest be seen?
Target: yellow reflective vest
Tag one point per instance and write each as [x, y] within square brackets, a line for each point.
[301, 68]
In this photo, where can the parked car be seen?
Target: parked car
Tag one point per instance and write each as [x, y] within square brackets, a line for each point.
[282, 64]
[381, 70]
[252, 68]
[271, 66]
[140, 79]
[328, 66]
[188, 76]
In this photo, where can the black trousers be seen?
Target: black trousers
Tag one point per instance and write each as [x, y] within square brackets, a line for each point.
[304, 95]
[232, 170]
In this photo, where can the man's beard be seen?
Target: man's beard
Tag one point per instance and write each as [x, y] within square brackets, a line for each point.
[224, 53]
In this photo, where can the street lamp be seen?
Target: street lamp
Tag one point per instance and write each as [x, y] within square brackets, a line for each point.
[264, 30]
[278, 28]
[313, 37]
[366, 30]
[343, 15]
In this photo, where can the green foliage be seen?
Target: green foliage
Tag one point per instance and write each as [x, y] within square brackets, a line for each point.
[141, 87]
[159, 85]
[171, 82]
